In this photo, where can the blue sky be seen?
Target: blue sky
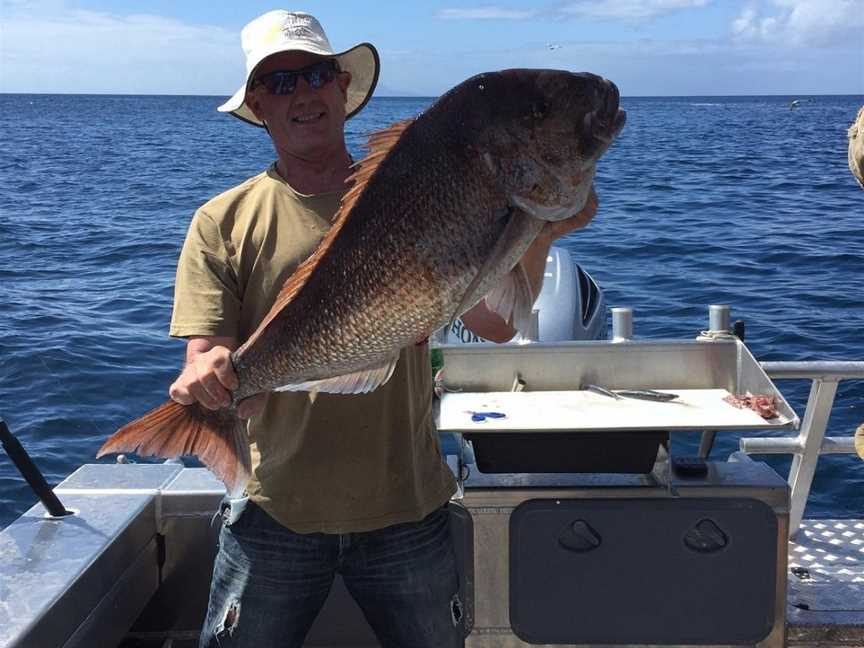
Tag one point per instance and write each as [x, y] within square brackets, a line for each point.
[648, 47]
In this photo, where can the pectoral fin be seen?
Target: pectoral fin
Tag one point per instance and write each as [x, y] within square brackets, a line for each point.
[518, 234]
[513, 299]
[358, 382]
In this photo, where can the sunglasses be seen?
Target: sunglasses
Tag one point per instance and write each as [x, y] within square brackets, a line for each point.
[284, 82]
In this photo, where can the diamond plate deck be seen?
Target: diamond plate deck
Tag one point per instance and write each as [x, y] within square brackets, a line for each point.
[826, 584]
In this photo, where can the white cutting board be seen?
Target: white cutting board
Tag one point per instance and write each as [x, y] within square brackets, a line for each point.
[695, 409]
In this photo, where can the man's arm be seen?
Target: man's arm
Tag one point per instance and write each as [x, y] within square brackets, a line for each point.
[209, 375]
[491, 326]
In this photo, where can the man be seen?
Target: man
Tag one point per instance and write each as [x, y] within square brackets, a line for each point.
[348, 484]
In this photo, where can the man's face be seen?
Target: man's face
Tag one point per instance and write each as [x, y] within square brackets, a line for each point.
[307, 123]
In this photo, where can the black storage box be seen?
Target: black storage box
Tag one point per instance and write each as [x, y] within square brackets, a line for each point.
[566, 452]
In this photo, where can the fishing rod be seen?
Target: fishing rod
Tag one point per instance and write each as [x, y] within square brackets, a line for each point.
[30, 472]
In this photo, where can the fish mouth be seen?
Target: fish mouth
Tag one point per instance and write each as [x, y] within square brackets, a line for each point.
[605, 122]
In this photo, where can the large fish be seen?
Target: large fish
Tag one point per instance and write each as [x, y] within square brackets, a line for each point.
[440, 211]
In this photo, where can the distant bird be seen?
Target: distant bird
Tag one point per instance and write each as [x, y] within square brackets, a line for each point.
[552, 46]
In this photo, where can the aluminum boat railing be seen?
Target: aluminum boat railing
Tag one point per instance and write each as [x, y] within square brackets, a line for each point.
[811, 442]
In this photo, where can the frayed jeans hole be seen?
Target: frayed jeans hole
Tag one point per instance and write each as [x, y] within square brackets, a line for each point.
[456, 610]
[229, 621]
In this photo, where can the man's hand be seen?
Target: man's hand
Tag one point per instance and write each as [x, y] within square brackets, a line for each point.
[208, 377]
[534, 259]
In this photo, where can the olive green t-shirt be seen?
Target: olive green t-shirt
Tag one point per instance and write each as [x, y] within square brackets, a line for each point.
[321, 462]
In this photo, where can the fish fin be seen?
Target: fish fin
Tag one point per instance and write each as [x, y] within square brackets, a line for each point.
[380, 143]
[513, 299]
[358, 382]
[218, 438]
[520, 227]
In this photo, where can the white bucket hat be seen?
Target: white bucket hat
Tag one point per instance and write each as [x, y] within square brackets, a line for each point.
[286, 31]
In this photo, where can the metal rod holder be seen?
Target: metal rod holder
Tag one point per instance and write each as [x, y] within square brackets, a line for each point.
[622, 324]
[719, 317]
[30, 472]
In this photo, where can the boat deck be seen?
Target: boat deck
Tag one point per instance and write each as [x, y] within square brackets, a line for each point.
[825, 600]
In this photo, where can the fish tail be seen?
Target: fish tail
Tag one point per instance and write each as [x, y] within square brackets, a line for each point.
[218, 438]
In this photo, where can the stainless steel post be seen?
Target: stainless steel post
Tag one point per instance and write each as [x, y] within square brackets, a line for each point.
[718, 318]
[622, 324]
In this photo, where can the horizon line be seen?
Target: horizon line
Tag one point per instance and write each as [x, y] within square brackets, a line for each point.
[419, 96]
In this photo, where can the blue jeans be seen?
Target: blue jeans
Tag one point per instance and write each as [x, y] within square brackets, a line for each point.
[269, 583]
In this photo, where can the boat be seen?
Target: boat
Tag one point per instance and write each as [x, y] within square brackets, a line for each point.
[575, 522]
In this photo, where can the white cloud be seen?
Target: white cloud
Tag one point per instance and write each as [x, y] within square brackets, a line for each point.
[487, 13]
[629, 10]
[624, 10]
[817, 23]
[49, 47]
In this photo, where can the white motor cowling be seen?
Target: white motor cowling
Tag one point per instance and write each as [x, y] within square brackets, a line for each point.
[571, 306]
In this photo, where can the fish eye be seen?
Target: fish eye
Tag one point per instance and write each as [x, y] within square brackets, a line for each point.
[538, 110]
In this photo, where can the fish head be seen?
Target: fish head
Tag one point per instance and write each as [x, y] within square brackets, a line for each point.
[541, 132]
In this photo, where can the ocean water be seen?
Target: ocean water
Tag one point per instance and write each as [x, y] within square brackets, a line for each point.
[736, 200]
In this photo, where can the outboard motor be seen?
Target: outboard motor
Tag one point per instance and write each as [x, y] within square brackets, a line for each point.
[571, 306]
